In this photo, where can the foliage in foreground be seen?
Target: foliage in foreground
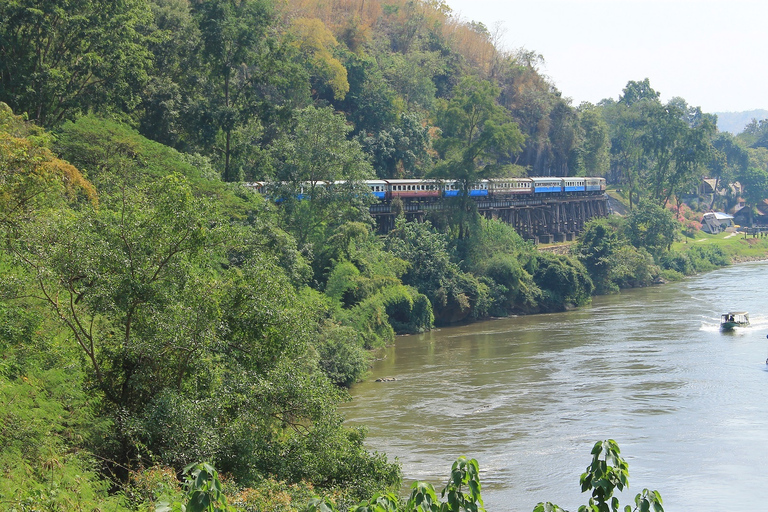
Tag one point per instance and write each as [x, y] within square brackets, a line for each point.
[607, 473]
[146, 322]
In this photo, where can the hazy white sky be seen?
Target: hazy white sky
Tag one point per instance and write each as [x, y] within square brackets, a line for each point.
[712, 53]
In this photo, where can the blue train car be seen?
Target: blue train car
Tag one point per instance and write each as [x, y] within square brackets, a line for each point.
[574, 184]
[547, 185]
[378, 188]
[479, 189]
[453, 188]
[450, 189]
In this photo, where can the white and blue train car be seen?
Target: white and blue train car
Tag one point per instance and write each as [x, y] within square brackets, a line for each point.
[451, 188]
[574, 184]
[595, 185]
[479, 189]
[547, 185]
[378, 188]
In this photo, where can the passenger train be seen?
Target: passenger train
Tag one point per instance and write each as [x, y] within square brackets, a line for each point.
[496, 188]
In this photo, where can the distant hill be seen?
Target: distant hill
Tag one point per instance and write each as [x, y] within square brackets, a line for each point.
[735, 122]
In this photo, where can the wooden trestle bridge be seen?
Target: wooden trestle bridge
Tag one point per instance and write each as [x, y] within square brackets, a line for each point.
[543, 220]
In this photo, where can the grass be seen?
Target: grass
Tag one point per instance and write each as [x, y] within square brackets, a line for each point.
[735, 245]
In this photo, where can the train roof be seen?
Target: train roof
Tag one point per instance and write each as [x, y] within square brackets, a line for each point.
[409, 181]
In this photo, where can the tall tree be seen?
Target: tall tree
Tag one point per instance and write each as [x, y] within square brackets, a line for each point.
[317, 151]
[594, 152]
[478, 138]
[627, 158]
[248, 72]
[59, 58]
[729, 160]
[676, 141]
[565, 138]
[635, 92]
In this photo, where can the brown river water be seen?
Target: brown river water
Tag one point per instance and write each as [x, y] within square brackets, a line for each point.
[529, 396]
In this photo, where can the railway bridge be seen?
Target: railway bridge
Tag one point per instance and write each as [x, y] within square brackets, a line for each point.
[542, 220]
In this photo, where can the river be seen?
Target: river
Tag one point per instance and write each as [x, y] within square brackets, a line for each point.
[529, 396]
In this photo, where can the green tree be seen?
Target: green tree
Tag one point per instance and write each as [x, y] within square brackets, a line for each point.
[595, 147]
[652, 227]
[565, 138]
[755, 182]
[105, 274]
[314, 153]
[478, 137]
[402, 151]
[635, 92]
[729, 159]
[371, 103]
[596, 245]
[677, 143]
[755, 134]
[61, 58]
[627, 158]
[248, 74]
[608, 473]
[173, 37]
[454, 294]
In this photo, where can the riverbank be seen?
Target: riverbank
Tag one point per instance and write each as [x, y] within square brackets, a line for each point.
[737, 246]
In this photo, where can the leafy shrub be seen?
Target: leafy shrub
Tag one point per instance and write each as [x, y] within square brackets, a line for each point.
[696, 259]
[343, 358]
[631, 267]
[563, 281]
[504, 273]
[44, 419]
[370, 320]
[408, 310]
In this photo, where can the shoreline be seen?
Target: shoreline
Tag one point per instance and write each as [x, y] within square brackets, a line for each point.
[735, 260]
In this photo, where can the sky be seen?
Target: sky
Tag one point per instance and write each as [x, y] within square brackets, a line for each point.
[712, 53]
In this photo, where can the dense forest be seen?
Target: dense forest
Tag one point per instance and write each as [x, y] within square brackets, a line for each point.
[155, 313]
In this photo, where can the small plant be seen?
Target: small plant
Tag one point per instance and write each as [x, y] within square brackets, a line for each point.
[203, 490]
[608, 472]
[462, 491]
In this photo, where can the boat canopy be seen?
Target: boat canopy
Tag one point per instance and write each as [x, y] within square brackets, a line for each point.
[736, 316]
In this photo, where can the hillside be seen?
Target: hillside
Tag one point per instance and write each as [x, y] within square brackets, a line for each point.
[735, 122]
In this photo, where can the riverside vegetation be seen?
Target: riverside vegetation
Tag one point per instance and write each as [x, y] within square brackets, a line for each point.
[154, 313]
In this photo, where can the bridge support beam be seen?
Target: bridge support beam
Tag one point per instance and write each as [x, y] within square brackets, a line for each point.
[559, 219]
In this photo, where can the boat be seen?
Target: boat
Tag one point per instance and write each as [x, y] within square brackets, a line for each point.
[733, 319]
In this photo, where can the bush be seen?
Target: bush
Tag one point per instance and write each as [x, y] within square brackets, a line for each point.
[408, 310]
[563, 282]
[45, 420]
[631, 267]
[697, 259]
[343, 358]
